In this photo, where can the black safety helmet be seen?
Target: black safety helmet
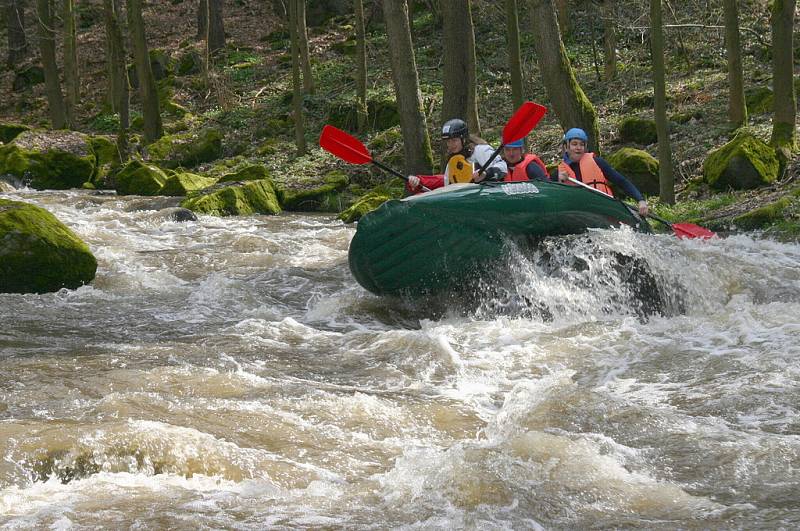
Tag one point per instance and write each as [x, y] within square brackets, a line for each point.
[455, 128]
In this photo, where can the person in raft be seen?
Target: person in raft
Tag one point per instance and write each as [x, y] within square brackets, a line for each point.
[522, 166]
[466, 154]
[592, 170]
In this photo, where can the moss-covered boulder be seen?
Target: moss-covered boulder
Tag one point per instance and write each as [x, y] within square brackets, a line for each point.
[743, 163]
[638, 166]
[10, 131]
[54, 160]
[27, 77]
[107, 158]
[764, 216]
[235, 199]
[38, 253]
[322, 197]
[184, 183]
[370, 201]
[253, 172]
[758, 100]
[140, 178]
[382, 111]
[638, 130]
[186, 149]
[189, 63]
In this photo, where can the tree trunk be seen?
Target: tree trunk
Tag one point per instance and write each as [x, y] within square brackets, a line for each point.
[119, 74]
[47, 46]
[609, 40]
[666, 178]
[361, 66]
[459, 98]
[416, 143]
[202, 20]
[71, 77]
[297, 94]
[305, 58]
[514, 54]
[216, 28]
[737, 109]
[569, 102]
[15, 22]
[784, 134]
[147, 84]
[563, 16]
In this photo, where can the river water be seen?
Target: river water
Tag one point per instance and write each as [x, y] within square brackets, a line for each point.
[230, 374]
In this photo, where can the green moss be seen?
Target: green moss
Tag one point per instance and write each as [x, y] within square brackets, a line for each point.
[10, 131]
[743, 163]
[105, 150]
[758, 100]
[317, 198]
[254, 197]
[139, 178]
[764, 216]
[639, 167]
[54, 160]
[39, 254]
[253, 172]
[186, 149]
[370, 201]
[638, 130]
[641, 100]
[183, 183]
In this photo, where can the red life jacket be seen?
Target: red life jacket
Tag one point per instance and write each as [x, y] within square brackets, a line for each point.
[591, 173]
[520, 170]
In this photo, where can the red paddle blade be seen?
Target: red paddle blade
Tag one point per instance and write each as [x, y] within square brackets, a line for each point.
[690, 230]
[523, 121]
[345, 146]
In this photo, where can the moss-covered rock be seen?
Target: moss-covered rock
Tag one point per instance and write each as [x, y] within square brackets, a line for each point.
[189, 63]
[235, 199]
[27, 77]
[10, 131]
[383, 113]
[321, 198]
[638, 130]
[184, 183]
[186, 149]
[38, 253]
[641, 100]
[758, 100]
[743, 163]
[371, 200]
[140, 178]
[638, 166]
[54, 160]
[253, 172]
[764, 216]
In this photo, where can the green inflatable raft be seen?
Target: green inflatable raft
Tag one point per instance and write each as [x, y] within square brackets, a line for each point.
[427, 243]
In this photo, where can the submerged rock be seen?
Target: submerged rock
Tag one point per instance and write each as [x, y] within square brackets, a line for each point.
[38, 253]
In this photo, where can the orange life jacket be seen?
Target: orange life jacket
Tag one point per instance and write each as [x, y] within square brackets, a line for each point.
[591, 173]
[520, 171]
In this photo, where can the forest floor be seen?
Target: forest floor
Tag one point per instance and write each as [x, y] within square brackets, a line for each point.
[249, 95]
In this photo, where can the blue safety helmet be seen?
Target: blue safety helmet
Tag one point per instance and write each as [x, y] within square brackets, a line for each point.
[576, 133]
[516, 143]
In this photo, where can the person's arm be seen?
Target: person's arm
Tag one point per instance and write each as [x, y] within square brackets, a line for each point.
[617, 178]
[534, 171]
[415, 183]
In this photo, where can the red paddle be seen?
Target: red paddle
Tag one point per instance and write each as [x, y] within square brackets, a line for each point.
[681, 230]
[519, 125]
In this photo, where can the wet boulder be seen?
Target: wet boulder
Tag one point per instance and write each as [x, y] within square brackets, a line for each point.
[55, 160]
[186, 149]
[184, 182]
[140, 178]
[38, 253]
[235, 199]
[638, 166]
[175, 214]
[370, 201]
[314, 195]
[744, 163]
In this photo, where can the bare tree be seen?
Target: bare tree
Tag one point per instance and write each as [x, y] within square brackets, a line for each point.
[571, 105]
[202, 20]
[562, 7]
[784, 133]
[737, 109]
[609, 40]
[361, 66]
[297, 93]
[119, 73]
[514, 53]
[666, 179]
[47, 46]
[305, 58]
[215, 37]
[460, 97]
[416, 143]
[148, 93]
[15, 21]
[71, 77]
